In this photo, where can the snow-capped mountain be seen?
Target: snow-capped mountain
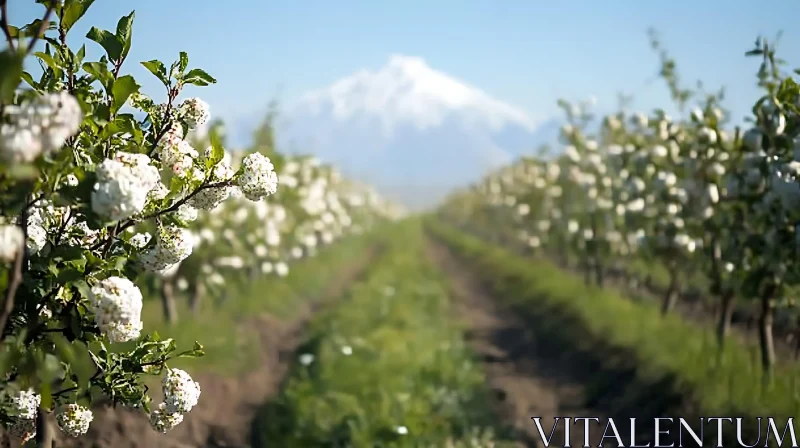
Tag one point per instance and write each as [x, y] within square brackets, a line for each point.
[410, 130]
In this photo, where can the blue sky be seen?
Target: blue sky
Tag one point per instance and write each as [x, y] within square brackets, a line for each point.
[525, 52]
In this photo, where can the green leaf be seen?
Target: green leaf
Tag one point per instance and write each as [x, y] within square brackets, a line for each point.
[125, 32]
[10, 74]
[217, 151]
[108, 41]
[64, 349]
[29, 79]
[122, 123]
[46, 393]
[83, 366]
[157, 68]
[184, 61]
[72, 12]
[123, 88]
[50, 63]
[34, 28]
[67, 253]
[83, 288]
[79, 57]
[99, 71]
[198, 77]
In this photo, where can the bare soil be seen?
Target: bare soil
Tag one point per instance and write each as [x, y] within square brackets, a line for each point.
[536, 372]
[224, 415]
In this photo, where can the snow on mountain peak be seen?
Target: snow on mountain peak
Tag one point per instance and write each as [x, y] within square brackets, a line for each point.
[407, 90]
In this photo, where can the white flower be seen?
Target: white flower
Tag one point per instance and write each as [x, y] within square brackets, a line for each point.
[25, 404]
[194, 111]
[140, 240]
[11, 240]
[347, 350]
[162, 421]
[158, 193]
[187, 213]
[713, 193]
[20, 145]
[123, 184]
[37, 237]
[210, 198]
[181, 393]
[282, 269]
[71, 180]
[58, 116]
[41, 125]
[216, 279]
[74, 420]
[306, 359]
[174, 245]
[258, 178]
[175, 152]
[117, 304]
[402, 430]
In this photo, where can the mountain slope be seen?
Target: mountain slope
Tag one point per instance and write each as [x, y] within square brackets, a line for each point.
[410, 130]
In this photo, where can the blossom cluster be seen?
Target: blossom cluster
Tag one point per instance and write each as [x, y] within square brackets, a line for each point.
[181, 394]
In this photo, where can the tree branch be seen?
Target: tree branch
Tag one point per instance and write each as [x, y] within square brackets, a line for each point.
[42, 27]
[16, 275]
[4, 24]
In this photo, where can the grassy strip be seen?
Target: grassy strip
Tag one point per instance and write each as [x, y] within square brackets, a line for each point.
[230, 346]
[720, 383]
[386, 360]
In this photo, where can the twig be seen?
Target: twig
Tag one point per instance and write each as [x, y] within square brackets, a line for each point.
[16, 275]
[4, 24]
[119, 228]
[42, 27]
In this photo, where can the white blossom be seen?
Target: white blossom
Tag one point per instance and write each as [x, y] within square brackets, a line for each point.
[74, 420]
[11, 240]
[162, 420]
[117, 304]
[258, 178]
[194, 111]
[181, 393]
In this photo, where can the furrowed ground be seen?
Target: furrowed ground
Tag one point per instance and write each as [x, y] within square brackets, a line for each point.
[630, 360]
[419, 335]
[248, 342]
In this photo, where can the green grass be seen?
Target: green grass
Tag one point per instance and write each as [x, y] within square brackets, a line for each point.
[231, 345]
[728, 383]
[409, 366]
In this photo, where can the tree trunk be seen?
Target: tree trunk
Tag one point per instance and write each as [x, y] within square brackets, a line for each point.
[725, 317]
[44, 430]
[196, 297]
[766, 341]
[168, 302]
[671, 295]
[797, 345]
[587, 271]
[598, 271]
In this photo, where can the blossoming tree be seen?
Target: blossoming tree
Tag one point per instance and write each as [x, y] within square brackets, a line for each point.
[86, 156]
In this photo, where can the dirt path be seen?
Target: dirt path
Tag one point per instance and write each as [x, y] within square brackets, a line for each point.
[527, 382]
[227, 406]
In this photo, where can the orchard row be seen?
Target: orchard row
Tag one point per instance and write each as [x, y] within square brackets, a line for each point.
[682, 195]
